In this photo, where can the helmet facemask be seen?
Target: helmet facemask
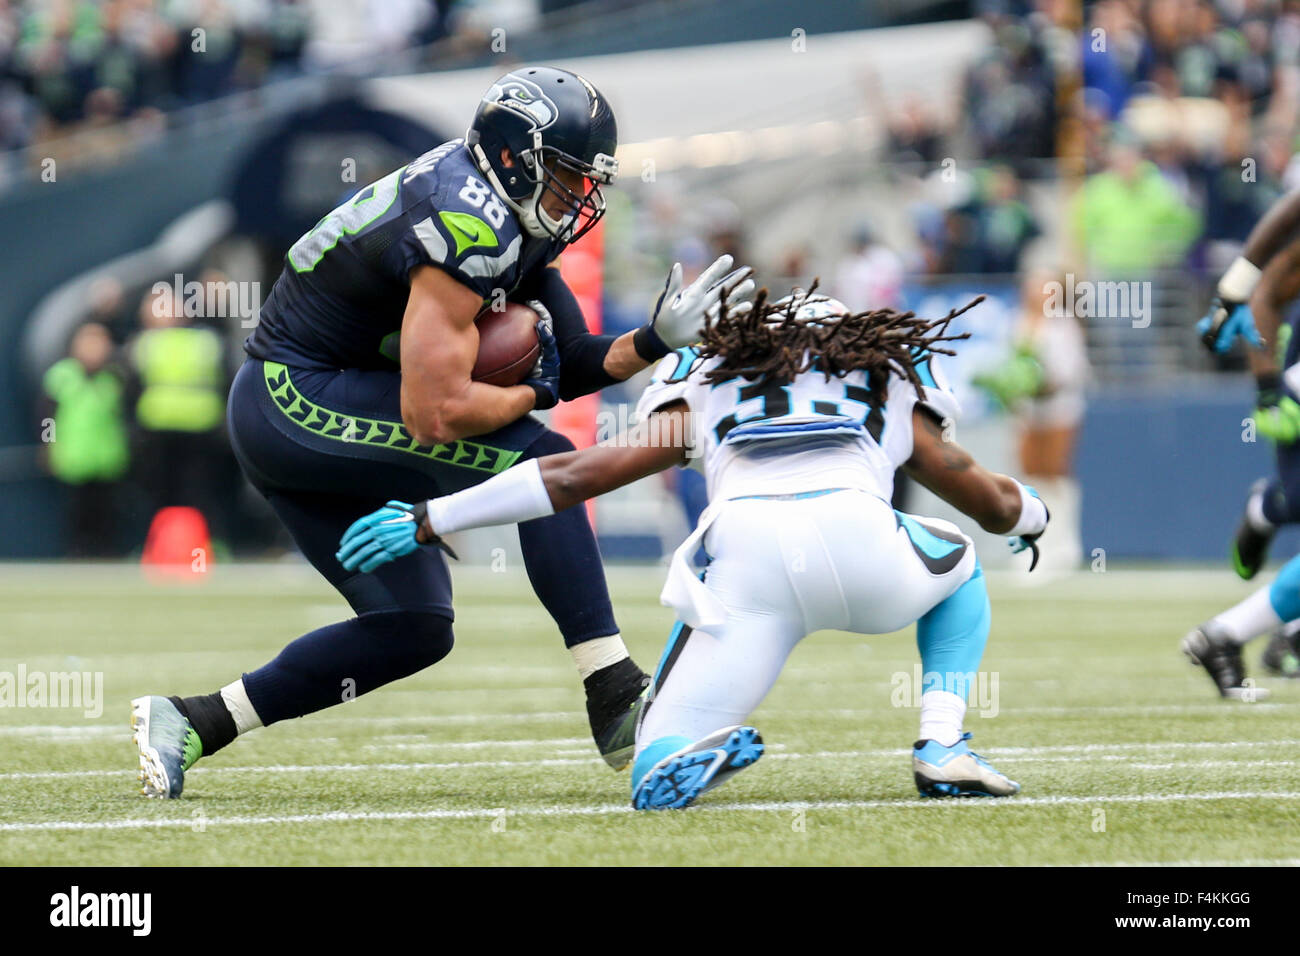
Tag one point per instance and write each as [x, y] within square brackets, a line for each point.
[585, 208]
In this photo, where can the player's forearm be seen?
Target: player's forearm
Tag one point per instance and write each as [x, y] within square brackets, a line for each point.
[476, 409]
[622, 360]
[945, 468]
[589, 363]
[1268, 319]
[585, 364]
[991, 499]
[1278, 227]
[1278, 285]
[533, 489]
[1010, 506]
[517, 494]
[543, 486]
[577, 476]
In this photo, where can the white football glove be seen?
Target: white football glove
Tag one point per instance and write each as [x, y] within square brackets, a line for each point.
[679, 315]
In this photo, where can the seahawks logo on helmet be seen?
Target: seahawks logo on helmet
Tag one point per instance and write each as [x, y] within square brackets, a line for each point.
[524, 97]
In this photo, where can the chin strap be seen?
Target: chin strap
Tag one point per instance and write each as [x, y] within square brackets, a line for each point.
[527, 217]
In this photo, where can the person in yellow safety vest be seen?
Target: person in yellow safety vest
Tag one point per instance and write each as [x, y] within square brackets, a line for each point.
[85, 438]
[181, 408]
[181, 370]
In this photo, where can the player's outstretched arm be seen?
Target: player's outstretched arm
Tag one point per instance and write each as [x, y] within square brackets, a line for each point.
[592, 362]
[1280, 225]
[440, 402]
[655, 445]
[999, 503]
[533, 489]
[1230, 313]
[1277, 414]
[543, 486]
[1279, 285]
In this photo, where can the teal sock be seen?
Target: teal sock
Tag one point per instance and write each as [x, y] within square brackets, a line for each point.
[951, 637]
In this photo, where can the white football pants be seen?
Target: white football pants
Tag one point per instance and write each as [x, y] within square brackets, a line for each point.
[784, 568]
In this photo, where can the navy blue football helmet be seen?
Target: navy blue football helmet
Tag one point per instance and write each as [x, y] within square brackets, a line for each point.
[549, 120]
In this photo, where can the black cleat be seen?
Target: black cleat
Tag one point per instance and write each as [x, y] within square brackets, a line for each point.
[615, 697]
[1250, 546]
[1282, 656]
[1221, 658]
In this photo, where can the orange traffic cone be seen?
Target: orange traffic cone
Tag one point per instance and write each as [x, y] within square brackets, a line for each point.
[177, 547]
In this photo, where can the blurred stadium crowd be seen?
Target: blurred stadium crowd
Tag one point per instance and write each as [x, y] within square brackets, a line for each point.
[1125, 137]
[1189, 113]
[71, 64]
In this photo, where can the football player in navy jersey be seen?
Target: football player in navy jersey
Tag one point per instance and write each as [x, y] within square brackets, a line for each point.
[358, 387]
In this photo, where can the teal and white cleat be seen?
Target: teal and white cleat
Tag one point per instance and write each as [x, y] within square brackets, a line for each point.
[167, 743]
[957, 771]
[678, 778]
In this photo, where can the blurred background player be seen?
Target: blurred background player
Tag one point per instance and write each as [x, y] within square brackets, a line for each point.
[1252, 300]
[358, 386]
[799, 414]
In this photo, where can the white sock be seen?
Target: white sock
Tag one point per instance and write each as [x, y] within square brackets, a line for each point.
[942, 713]
[517, 494]
[591, 656]
[1249, 619]
[1255, 513]
[241, 708]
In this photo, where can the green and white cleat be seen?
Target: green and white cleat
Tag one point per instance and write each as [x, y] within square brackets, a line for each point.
[616, 698]
[167, 743]
[617, 740]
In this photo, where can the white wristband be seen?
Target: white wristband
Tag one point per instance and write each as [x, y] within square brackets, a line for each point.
[517, 494]
[1033, 514]
[1240, 280]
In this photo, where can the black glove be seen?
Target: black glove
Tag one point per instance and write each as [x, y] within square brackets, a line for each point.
[545, 379]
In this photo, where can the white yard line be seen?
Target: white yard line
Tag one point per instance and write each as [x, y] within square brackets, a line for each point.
[480, 744]
[622, 808]
[1283, 861]
[593, 761]
[63, 733]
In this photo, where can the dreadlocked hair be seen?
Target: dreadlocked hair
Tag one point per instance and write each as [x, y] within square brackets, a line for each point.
[768, 342]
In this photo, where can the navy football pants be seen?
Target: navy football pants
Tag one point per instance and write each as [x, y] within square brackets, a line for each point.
[326, 447]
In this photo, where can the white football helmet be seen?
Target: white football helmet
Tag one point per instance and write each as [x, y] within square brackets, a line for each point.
[812, 306]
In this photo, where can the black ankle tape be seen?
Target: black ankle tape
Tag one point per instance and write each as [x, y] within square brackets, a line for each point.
[210, 719]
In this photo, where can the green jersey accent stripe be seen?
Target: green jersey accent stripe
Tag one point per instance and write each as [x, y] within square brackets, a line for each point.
[345, 220]
[377, 432]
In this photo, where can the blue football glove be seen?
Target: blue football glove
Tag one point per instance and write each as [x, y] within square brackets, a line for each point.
[383, 536]
[1224, 322]
[545, 378]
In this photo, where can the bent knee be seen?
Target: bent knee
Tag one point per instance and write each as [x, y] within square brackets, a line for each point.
[420, 638]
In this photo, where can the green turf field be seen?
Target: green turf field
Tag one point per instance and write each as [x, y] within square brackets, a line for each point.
[1123, 750]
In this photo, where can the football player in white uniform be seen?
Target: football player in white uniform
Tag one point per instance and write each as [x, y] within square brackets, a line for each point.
[799, 413]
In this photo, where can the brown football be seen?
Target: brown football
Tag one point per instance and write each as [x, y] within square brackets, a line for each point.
[507, 344]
